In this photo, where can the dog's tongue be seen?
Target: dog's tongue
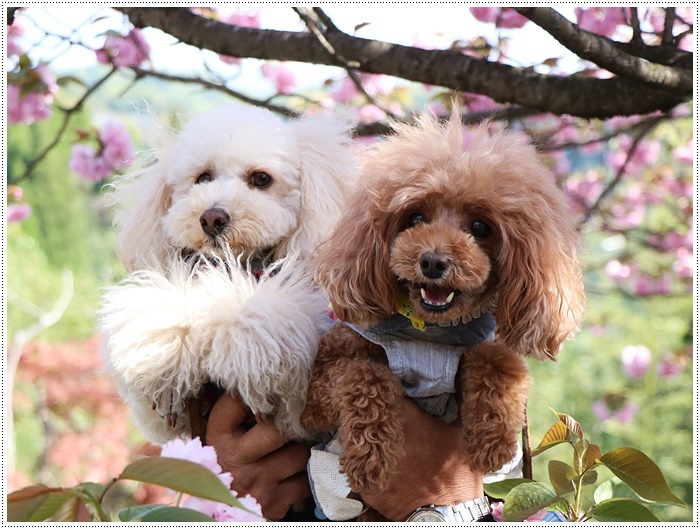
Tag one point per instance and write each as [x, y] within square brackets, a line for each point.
[437, 295]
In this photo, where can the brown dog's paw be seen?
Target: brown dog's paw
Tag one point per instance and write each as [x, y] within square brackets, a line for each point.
[370, 464]
[488, 453]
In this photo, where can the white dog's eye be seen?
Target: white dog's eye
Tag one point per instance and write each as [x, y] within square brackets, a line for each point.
[204, 178]
[260, 179]
[480, 229]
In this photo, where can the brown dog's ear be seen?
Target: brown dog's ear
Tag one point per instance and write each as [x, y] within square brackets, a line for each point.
[353, 267]
[540, 288]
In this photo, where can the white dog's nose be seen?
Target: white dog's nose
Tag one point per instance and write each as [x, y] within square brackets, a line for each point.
[214, 220]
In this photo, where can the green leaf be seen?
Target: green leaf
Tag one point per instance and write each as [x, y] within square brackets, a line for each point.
[562, 477]
[22, 503]
[176, 514]
[134, 513]
[592, 456]
[527, 499]
[639, 472]
[571, 424]
[603, 492]
[620, 510]
[182, 476]
[500, 489]
[51, 506]
[557, 434]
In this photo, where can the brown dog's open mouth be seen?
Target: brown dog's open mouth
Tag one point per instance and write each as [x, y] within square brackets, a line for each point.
[437, 299]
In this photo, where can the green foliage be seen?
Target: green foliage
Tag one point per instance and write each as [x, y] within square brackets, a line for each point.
[67, 230]
[573, 491]
[84, 502]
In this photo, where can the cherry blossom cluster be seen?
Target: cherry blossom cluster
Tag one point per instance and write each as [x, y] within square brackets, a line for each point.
[192, 450]
[637, 361]
[129, 50]
[102, 152]
[16, 211]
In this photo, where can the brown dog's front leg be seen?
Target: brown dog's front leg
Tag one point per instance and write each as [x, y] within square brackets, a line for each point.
[359, 398]
[494, 384]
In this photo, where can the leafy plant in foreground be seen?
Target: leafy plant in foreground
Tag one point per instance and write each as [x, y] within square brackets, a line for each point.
[570, 487]
[84, 502]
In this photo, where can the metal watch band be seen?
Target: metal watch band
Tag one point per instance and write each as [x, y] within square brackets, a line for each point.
[470, 511]
[466, 512]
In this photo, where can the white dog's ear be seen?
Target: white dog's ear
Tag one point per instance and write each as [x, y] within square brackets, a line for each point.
[327, 167]
[142, 198]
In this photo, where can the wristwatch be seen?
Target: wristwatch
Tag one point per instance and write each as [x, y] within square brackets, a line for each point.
[466, 512]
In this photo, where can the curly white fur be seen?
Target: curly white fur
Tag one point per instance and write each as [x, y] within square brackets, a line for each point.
[170, 329]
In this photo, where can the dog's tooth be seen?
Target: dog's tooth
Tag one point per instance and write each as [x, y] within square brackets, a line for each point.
[455, 322]
[422, 293]
[466, 318]
[450, 297]
[444, 323]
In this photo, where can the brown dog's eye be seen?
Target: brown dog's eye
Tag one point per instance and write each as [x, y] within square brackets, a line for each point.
[204, 178]
[480, 229]
[416, 219]
[260, 179]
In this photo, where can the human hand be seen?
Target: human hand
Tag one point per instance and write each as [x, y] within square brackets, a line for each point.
[433, 471]
[263, 463]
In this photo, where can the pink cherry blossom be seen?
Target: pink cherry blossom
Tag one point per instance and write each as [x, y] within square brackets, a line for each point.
[118, 149]
[15, 192]
[369, 113]
[618, 271]
[685, 153]
[114, 151]
[636, 360]
[282, 77]
[479, 103]
[645, 155]
[624, 413]
[13, 35]
[497, 513]
[601, 20]
[503, 17]
[17, 212]
[684, 265]
[228, 513]
[510, 19]
[35, 105]
[192, 450]
[131, 50]
[647, 285]
[345, 92]
[669, 366]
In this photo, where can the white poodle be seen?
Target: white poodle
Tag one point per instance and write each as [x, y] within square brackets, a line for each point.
[215, 234]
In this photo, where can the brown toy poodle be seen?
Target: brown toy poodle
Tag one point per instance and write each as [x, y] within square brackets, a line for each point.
[455, 258]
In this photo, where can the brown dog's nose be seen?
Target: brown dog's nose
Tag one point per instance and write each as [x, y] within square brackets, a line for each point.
[433, 264]
[214, 221]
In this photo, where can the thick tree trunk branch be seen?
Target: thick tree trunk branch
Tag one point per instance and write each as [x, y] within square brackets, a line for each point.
[602, 52]
[579, 96]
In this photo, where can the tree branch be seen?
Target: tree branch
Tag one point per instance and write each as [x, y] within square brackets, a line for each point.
[602, 52]
[584, 97]
[612, 185]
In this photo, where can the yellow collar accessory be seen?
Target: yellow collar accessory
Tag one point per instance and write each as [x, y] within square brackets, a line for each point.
[403, 306]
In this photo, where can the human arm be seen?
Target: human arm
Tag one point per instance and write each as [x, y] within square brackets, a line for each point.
[433, 470]
[263, 463]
